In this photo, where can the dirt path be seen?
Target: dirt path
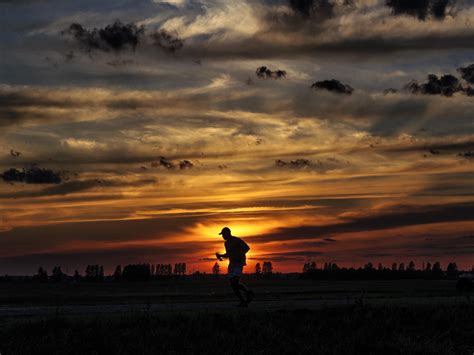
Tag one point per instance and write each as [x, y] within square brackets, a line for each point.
[195, 306]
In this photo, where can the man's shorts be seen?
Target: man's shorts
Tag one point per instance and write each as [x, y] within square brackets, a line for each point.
[234, 270]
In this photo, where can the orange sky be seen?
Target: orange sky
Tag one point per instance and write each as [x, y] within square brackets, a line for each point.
[158, 147]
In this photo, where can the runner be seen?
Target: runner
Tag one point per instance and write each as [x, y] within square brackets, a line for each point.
[236, 249]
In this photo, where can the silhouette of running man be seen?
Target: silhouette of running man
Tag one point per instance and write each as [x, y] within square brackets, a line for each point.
[235, 250]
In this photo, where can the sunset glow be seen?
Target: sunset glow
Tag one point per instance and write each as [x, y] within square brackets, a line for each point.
[159, 147]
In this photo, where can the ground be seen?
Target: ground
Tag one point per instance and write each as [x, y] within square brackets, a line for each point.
[199, 316]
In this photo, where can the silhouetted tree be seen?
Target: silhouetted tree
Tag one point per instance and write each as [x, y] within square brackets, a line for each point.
[57, 275]
[437, 271]
[94, 273]
[452, 270]
[394, 267]
[117, 273]
[428, 267]
[180, 269]
[258, 269]
[267, 268]
[310, 267]
[401, 267]
[136, 272]
[42, 275]
[163, 270]
[411, 266]
[369, 266]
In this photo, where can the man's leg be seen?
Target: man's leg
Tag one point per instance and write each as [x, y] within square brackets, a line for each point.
[243, 287]
[236, 287]
[248, 293]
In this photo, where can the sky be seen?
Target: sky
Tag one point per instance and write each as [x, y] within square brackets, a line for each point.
[327, 130]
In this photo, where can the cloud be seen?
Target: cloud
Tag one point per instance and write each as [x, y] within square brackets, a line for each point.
[170, 165]
[167, 41]
[185, 164]
[14, 153]
[466, 154]
[467, 73]
[266, 73]
[334, 86]
[390, 91]
[316, 9]
[421, 9]
[397, 216]
[72, 187]
[434, 146]
[117, 37]
[297, 163]
[163, 162]
[32, 175]
[446, 85]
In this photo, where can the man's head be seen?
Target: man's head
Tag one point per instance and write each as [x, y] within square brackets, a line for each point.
[225, 232]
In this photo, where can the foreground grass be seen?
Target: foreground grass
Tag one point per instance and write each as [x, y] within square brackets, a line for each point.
[342, 330]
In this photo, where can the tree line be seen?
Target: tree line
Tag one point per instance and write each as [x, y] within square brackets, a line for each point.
[266, 269]
[131, 272]
[310, 270]
[332, 271]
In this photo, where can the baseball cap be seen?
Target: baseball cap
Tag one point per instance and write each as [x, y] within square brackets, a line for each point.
[225, 230]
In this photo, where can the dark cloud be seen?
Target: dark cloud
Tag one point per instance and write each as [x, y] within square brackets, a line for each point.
[316, 9]
[466, 154]
[297, 163]
[449, 146]
[467, 73]
[357, 47]
[164, 162]
[421, 9]
[14, 153]
[399, 216]
[71, 187]
[334, 86]
[390, 91]
[32, 175]
[469, 91]
[446, 85]
[167, 41]
[265, 73]
[116, 37]
[120, 62]
[170, 165]
[185, 164]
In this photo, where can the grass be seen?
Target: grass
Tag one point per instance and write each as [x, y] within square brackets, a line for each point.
[212, 289]
[343, 330]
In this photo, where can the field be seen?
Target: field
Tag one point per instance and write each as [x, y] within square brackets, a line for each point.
[199, 316]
